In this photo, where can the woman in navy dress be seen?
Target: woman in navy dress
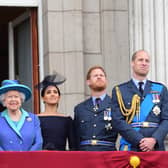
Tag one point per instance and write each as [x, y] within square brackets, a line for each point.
[57, 128]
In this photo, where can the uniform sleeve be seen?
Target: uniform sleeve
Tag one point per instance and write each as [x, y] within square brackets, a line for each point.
[76, 130]
[162, 130]
[120, 125]
[1, 149]
[71, 135]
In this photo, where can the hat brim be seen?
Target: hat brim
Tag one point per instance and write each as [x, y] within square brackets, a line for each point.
[18, 87]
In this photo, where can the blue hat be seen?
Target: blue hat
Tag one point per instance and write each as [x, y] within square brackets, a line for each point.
[8, 85]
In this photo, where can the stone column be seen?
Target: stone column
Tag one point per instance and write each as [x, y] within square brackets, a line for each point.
[149, 30]
[106, 38]
[148, 25]
[63, 48]
[91, 36]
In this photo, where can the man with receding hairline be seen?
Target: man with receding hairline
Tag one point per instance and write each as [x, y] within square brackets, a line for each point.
[140, 108]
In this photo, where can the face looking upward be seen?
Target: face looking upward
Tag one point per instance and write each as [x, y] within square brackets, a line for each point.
[97, 80]
[140, 65]
[51, 95]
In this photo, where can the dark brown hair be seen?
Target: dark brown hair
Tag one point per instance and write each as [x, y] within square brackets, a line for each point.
[44, 89]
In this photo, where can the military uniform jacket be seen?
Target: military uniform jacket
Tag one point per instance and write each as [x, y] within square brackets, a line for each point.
[128, 89]
[90, 124]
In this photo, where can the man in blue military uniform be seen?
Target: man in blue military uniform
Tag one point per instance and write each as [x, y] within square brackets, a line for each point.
[93, 118]
[140, 108]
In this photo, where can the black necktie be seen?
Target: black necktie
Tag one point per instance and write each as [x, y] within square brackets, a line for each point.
[140, 87]
[97, 102]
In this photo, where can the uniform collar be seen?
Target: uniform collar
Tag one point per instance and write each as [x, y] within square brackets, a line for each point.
[102, 97]
[137, 81]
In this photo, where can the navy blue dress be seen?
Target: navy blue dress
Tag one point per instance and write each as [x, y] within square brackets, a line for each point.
[56, 130]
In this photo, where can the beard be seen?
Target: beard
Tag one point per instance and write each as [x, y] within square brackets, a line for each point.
[98, 88]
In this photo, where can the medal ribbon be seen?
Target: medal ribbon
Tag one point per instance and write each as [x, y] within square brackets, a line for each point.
[148, 103]
[146, 107]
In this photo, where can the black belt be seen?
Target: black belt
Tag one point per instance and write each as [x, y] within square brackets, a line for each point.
[96, 142]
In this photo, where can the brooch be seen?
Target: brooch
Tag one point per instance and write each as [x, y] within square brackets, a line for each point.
[29, 119]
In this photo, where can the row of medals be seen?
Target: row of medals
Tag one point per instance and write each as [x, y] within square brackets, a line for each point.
[107, 117]
[156, 110]
[156, 99]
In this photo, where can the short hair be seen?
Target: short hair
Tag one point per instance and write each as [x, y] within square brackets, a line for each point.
[135, 53]
[93, 68]
[2, 97]
[23, 96]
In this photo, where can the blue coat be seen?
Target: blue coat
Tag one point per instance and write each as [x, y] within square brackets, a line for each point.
[91, 125]
[131, 135]
[26, 136]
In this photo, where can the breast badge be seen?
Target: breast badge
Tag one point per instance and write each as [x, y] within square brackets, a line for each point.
[108, 126]
[156, 110]
[156, 99]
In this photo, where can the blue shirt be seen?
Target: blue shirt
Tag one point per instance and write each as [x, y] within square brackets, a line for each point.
[101, 97]
[137, 81]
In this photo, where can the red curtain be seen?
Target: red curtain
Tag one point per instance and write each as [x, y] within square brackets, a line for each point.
[80, 159]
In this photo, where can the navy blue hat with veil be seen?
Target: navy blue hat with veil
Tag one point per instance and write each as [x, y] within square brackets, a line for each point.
[51, 80]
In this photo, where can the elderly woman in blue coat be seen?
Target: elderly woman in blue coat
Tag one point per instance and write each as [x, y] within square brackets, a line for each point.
[19, 129]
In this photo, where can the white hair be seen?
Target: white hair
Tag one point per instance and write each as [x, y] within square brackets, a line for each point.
[2, 97]
[23, 97]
